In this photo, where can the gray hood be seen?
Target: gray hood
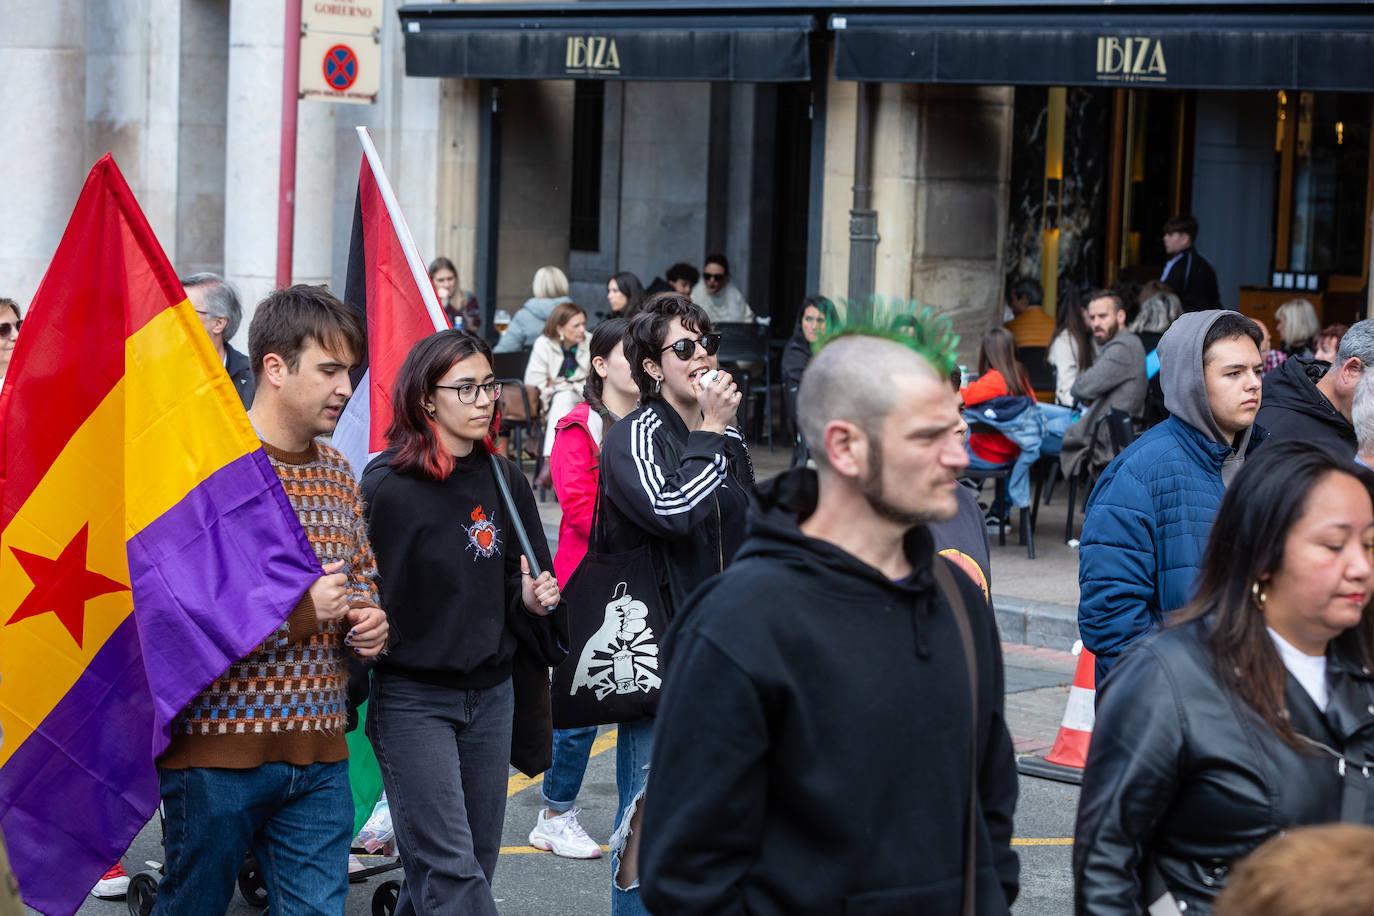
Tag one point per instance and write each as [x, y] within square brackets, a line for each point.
[1185, 389]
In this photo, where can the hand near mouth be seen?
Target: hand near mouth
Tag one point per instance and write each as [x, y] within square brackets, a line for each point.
[719, 402]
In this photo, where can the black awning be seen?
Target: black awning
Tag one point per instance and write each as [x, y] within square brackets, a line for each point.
[659, 46]
[1175, 50]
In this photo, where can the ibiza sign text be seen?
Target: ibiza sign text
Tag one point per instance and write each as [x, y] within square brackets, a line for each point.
[1131, 59]
[593, 55]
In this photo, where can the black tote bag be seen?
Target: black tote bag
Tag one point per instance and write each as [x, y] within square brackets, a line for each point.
[613, 621]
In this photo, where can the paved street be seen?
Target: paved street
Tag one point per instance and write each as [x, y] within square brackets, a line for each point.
[531, 883]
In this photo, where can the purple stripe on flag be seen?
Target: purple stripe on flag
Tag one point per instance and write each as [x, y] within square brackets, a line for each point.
[214, 576]
[75, 794]
[211, 578]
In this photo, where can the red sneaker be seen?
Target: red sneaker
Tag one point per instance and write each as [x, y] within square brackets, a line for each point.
[114, 885]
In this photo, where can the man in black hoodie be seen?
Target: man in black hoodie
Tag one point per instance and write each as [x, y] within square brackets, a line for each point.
[1310, 400]
[812, 752]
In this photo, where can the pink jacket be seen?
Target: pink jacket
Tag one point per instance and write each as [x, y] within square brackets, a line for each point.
[575, 467]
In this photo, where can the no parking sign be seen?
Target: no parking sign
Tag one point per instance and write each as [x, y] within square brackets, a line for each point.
[341, 52]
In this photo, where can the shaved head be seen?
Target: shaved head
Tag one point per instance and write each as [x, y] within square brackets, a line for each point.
[851, 379]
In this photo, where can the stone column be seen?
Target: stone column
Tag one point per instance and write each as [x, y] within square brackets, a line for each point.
[133, 76]
[201, 127]
[43, 65]
[960, 182]
[312, 256]
[456, 204]
[941, 171]
[252, 152]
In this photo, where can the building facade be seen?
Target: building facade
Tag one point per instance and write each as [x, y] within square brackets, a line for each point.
[927, 151]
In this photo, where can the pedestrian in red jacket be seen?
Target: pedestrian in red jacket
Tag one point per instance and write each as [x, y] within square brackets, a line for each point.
[610, 393]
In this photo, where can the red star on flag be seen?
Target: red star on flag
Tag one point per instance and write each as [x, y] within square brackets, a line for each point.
[62, 586]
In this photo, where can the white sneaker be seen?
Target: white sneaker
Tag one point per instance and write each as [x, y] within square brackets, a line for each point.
[562, 835]
[114, 885]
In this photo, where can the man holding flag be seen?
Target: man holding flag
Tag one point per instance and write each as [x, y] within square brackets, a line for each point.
[260, 760]
[263, 761]
[147, 543]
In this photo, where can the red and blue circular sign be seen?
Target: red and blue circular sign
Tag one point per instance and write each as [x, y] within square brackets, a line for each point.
[340, 67]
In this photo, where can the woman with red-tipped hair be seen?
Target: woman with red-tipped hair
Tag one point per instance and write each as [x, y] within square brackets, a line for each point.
[450, 566]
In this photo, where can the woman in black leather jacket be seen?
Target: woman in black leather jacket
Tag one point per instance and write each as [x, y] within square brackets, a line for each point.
[1254, 711]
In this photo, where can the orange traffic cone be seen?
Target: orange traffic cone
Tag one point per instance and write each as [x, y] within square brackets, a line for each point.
[1067, 758]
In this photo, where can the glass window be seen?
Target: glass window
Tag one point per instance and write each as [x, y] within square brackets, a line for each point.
[1330, 178]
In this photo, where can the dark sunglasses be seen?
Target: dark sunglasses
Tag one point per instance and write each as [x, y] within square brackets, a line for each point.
[686, 348]
[717, 277]
[10, 327]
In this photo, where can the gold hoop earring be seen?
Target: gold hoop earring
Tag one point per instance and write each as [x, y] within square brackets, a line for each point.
[1259, 595]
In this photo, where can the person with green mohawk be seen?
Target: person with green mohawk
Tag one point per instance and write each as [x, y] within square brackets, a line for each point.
[831, 736]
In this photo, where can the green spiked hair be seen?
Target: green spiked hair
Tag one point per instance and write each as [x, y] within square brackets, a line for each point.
[919, 328]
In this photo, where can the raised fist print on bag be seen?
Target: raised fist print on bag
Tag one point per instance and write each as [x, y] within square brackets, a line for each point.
[621, 656]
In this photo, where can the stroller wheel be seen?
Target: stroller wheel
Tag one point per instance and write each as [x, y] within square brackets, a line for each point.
[384, 898]
[251, 883]
[142, 893]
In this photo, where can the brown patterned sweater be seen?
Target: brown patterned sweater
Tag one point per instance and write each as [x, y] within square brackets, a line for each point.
[285, 700]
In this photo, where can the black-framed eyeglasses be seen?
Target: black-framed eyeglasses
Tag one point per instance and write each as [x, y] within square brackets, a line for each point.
[686, 348]
[10, 327]
[719, 278]
[467, 394]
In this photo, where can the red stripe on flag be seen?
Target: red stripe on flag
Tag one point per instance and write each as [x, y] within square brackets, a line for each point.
[108, 278]
[396, 313]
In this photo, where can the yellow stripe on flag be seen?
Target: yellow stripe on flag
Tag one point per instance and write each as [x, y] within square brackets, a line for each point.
[82, 487]
[156, 419]
[172, 373]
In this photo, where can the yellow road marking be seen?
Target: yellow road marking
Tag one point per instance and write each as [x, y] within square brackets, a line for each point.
[1017, 841]
[1042, 841]
[520, 782]
[605, 741]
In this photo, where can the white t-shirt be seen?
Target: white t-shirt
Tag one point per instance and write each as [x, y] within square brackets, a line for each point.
[1310, 670]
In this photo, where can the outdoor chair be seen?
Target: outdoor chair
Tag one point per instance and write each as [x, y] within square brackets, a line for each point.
[1121, 433]
[521, 410]
[744, 354]
[999, 476]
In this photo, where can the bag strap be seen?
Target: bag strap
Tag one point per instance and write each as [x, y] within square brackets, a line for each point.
[945, 579]
[594, 542]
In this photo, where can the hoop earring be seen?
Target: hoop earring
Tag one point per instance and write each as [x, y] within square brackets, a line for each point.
[1259, 595]
[658, 385]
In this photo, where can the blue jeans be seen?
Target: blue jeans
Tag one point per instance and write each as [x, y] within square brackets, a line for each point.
[998, 509]
[634, 742]
[297, 820]
[572, 748]
[444, 754]
[1057, 421]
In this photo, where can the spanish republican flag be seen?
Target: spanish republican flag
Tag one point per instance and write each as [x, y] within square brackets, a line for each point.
[145, 543]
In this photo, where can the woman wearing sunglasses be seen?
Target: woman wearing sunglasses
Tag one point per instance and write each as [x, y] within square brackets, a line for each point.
[442, 701]
[674, 474]
[9, 334]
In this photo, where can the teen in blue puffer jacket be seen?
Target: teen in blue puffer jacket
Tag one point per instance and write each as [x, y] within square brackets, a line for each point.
[1149, 517]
